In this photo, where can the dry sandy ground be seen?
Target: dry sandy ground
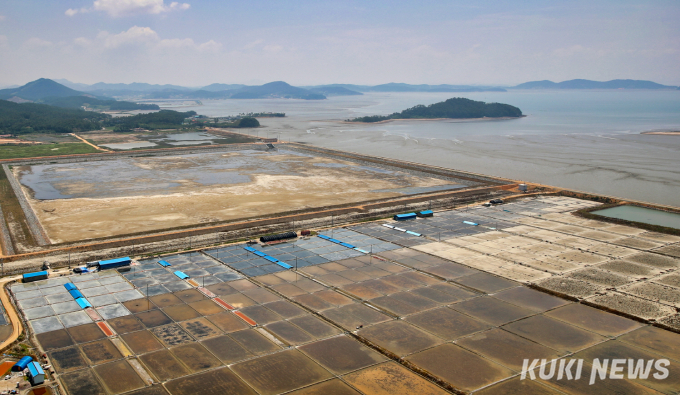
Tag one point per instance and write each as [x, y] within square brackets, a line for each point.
[192, 203]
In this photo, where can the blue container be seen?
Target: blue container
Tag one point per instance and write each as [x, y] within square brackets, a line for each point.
[114, 263]
[403, 217]
[35, 276]
[426, 213]
[22, 364]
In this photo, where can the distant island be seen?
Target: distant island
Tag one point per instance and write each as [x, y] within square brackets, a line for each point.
[588, 84]
[454, 108]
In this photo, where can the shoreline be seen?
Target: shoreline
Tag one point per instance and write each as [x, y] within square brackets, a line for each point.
[664, 132]
[438, 119]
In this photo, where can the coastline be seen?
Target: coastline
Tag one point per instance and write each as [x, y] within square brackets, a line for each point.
[664, 132]
[438, 119]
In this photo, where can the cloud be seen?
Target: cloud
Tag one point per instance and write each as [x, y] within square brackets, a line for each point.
[119, 8]
[36, 42]
[2, 18]
[147, 38]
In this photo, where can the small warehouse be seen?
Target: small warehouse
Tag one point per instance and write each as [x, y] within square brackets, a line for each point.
[425, 213]
[403, 217]
[22, 364]
[36, 374]
[114, 263]
[35, 276]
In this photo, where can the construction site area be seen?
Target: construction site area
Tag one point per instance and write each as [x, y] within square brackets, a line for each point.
[452, 298]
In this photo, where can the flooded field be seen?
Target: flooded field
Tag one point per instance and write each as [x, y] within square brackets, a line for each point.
[82, 200]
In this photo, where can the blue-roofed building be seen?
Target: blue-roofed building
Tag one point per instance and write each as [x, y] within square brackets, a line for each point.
[36, 374]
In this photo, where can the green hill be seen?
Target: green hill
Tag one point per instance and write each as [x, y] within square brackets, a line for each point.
[455, 108]
[39, 89]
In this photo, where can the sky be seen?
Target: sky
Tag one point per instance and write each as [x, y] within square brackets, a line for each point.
[312, 42]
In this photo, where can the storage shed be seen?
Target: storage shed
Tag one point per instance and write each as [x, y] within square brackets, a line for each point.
[425, 213]
[22, 364]
[114, 263]
[36, 374]
[403, 217]
[35, 276]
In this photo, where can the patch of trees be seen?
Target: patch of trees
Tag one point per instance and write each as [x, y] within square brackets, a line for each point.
[456, 108]
[97, 104]
[26, 118]
[245, 122]
[164, 119]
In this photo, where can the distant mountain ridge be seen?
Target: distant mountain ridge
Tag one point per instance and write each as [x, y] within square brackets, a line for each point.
[588, 84]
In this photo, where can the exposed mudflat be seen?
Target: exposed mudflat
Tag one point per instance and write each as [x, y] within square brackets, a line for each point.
[76, 201]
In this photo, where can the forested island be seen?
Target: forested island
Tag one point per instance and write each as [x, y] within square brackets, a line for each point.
[454, 108]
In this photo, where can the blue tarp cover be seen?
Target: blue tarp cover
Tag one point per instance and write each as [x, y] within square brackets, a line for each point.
[75, 293]
[164, 263]
[70, 286]
[181, 275]
[83, 303]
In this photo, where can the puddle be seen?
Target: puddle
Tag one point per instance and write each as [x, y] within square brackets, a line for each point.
[141, 342]
[459, 367]
[642, 214]
[272, 374]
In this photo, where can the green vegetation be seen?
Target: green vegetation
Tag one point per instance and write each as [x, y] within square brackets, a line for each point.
[248, 122]
[29, 117]
[11, 209]
[456, 108]
[264, 114]
[165, 119]
[35, 150]
[97, 104]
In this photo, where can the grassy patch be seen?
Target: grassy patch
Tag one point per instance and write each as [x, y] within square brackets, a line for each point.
[20, 232]
[29, 151]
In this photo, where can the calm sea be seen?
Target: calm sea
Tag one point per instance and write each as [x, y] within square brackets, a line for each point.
[584, 140]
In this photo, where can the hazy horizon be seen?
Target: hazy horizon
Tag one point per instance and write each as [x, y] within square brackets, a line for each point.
[194, 44]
